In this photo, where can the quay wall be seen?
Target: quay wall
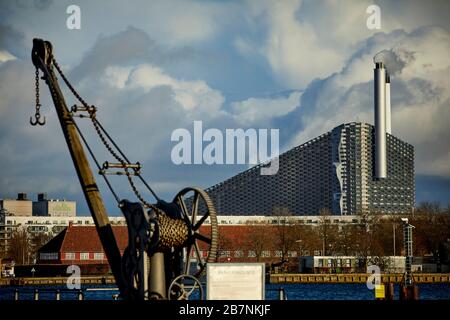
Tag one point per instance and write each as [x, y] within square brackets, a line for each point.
[355, 278]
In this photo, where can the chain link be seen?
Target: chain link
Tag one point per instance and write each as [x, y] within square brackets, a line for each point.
[37, 114]
[36, 86]
[102, 137]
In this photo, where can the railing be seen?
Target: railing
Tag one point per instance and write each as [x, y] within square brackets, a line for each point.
[80, 293]
[282, 295]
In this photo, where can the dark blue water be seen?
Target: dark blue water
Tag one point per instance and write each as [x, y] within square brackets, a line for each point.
[349, 292]
[293, 292]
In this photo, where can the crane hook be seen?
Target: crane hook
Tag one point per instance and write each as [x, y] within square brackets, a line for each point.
[37, 120]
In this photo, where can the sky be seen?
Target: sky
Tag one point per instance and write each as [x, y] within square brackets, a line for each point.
[302, 67]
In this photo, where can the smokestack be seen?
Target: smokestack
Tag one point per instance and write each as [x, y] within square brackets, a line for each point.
[380, 120]
[388, 103]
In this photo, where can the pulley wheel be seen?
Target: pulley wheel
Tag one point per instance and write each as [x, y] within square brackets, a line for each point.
[201, 247]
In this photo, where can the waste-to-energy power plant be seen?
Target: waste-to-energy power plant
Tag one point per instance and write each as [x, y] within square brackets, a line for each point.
[354, 168]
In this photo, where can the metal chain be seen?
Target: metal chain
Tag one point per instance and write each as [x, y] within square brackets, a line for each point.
[102, 137]
[121, 160]
[36, 86]
[71, 88]
[37, 115]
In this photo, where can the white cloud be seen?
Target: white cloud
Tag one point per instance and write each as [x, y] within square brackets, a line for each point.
[293, 49]
[117, 76]
[145, 82]
[255, 111]
[309, 39]
[420, 96]
[191, 95]
[6, 56]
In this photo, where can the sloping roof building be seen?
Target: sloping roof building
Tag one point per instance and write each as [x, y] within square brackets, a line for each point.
[79, 245]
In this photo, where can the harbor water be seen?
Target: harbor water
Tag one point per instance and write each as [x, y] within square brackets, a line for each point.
[293, 292]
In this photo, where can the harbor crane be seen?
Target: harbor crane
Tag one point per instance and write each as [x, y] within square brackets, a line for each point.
[163, 237]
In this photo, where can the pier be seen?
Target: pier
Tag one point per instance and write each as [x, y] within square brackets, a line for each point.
[46, 281]
[355, 278]
[273, 279]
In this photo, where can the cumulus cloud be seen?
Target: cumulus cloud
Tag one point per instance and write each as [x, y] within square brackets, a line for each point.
[420, 95]
[261, 110]
[191, 95]
[159, 68]
[309, 39]
[6, 56]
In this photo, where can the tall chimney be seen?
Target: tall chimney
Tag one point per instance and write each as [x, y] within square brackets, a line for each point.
[380, 120]
[388, 103]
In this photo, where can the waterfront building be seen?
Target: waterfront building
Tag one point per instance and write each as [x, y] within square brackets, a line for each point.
[335, 171]
[350, 264]
[35, 225]
[54, 208]
[79, 245]
[17, 207]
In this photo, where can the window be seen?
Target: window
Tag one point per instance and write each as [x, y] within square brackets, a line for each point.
[225, 254]
[265, 254]
[98, 256]
[347, 263]
[49, 256]
[70, 256]
[278, 253]
[84, 256]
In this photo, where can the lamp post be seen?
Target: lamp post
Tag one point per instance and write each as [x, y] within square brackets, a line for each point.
[393, 230]
[299, 241]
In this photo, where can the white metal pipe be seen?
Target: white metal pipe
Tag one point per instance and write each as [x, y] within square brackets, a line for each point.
[380, 120]
[388, 104]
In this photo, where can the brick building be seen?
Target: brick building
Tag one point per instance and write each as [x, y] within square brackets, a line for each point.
[79, 245]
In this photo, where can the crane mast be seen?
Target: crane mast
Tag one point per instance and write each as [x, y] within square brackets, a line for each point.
[42, 59]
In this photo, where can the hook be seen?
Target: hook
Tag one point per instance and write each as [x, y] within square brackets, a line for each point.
[37, 120]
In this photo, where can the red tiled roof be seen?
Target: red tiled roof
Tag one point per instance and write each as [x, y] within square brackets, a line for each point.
[85, 239]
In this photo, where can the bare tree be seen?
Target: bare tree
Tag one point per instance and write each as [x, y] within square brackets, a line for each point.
[286, 233]
[326, 231]
[223, 244]
[19, 248]
[367, 244]
[258, 240]
[431, 231]
[346, 240]
[38, 241]
[428, 207]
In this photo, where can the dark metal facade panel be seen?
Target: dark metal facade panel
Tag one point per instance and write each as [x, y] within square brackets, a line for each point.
[333, 171]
